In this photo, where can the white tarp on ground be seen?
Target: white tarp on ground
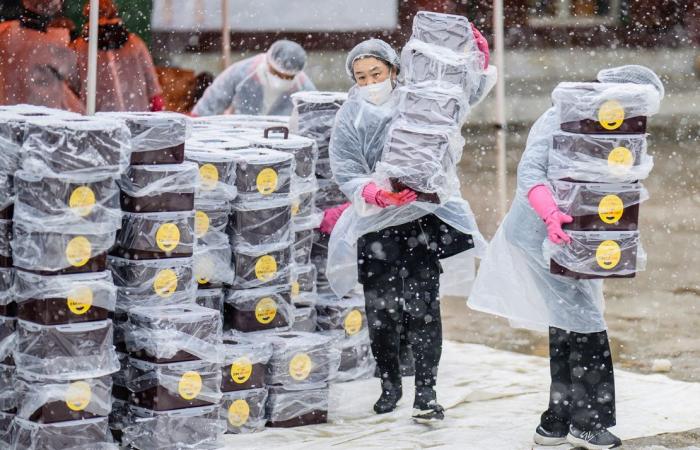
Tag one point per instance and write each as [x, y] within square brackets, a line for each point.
[493, 400]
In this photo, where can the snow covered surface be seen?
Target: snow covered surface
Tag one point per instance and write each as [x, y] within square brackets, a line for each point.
[493, 400]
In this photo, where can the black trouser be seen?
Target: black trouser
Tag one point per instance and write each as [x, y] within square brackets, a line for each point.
[583, 385]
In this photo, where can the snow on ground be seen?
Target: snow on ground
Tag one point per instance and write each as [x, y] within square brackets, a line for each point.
[493, 401]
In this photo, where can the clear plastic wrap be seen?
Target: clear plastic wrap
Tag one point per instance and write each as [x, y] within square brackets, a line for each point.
[304, 150]
[303, 244]
[89, 434]
[293, 408]
[265, 222]
[169, 280]
[301, 360]
[329, 194]
[217, 171]
[46, 400]
[156, 138]
[313, 116]
[119, 390]
[156, 235]
[598, 254]
[53, 251]
[189, 428]
[266, 308]
[432, 104]
[70, 146]
[599, 158]
[8, 306]
[64, 299]
[81, 202]
[11, 136]
[446, 30]
[173, 333]
[238, 121]
[263, 174]
[600, 206]
[5, 243]
[212, 264]
[346, 314]
[245, 361]
[304, 203]
[164, 387]
[422, 159]
[8, 394]
[356, 360]
[305, 315]
[211, 219]
[6, 419]
[605, 107]
[324, 169]
[75, 351]
[267, 265]
[211, 298]
[421, 62]
[303, 281]
[159, 188]
[8, 339]
[217, 137]
[244, 411]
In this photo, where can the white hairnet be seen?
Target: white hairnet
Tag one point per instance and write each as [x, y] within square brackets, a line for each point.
[372, 47]
[632, 74]
[286, 57]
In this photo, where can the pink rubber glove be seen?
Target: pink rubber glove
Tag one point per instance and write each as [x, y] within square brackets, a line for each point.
[483, 45]
[379, 197]
[543, 203]
[331, 217]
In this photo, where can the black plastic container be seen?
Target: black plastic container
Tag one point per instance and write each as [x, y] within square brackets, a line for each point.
[245, 362]
[596, 254]
[303, 149]
[262, 173]
[164, 188]
[261, 222]
[156, 235]
[244, 411]
[258, 309]
[296, 408]
[267, 265]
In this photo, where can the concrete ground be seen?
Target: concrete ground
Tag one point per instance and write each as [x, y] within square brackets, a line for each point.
[654, 316]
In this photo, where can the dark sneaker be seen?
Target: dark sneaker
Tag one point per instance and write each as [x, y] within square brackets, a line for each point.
[425, 406]
[547, 438]
[388, 400]
[593, 440]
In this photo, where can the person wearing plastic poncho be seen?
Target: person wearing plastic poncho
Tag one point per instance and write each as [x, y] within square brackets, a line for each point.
[260, 85]
[389, 241]
[514, 282]
[126, 76]
[35, 61]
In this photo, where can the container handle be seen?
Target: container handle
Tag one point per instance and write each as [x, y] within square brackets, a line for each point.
[284, 130]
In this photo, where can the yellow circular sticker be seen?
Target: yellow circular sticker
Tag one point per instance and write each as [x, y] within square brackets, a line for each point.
[296, 288]
[190, 385]
[266, 310]
[168, 237]
[208, 176]
[80, 300]
[610, 209]
[201, 223]
[295, 207]
[267, 181]
[241, 370]
[300, 367]
[203, 269]
[611, 115]
[82, 201]
[78, 251]
[608, 254]
[620, 157]
[78, 396]
[238, 413]
[165, 283]
[353, 322]
[265, 268]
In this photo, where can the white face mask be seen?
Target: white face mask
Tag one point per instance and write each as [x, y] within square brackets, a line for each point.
[377, 93]
[279, 84]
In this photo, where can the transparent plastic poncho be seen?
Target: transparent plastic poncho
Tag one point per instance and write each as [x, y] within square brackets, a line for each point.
[153, 131]
[244, 411]
[301, 360]
[152, 282]
[73, 146]
[162, 332]
[599, 158]
[72, 351]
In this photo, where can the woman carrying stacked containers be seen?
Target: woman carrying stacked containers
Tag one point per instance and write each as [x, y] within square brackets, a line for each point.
[168, 388]
[392, 240]
[65, 221]
[518, 281]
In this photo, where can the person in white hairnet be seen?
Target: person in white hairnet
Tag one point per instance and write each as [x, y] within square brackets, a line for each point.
[260, 85]
[514, 282]
[388, 241]
[35, 61]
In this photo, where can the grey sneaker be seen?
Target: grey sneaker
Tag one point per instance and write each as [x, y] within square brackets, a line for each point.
[593, 440]
[547, 438]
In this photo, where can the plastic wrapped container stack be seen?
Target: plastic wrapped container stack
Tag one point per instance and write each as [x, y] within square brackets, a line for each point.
[167, 392]
[441, 67]
[66, 213]
[313, 117]
[596, 161]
